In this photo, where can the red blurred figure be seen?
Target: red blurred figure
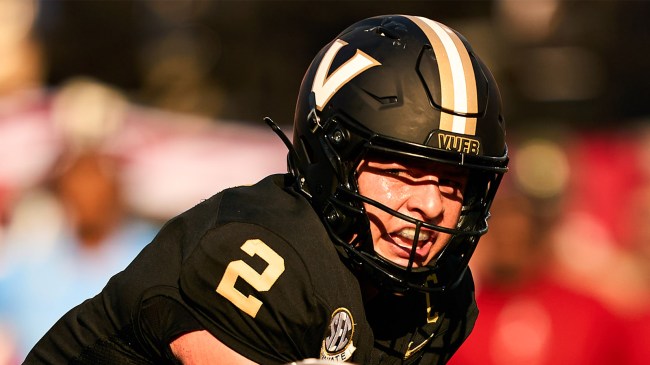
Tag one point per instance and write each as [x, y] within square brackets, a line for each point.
[528, 316]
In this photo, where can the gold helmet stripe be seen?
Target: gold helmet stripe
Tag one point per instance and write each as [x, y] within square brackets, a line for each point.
[457, 79]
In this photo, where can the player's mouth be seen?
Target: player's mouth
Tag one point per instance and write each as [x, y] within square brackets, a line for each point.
[404, 238]
[409, 234]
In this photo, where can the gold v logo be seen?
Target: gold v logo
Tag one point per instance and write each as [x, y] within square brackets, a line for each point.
[325, 87]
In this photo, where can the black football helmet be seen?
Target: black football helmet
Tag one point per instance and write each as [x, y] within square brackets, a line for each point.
[409, 87]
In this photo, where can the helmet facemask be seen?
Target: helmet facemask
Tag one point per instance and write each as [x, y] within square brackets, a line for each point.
[345, 216]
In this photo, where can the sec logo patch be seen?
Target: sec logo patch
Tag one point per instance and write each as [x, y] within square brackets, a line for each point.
[338, 344]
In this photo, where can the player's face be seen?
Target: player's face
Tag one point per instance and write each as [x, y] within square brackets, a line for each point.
[427, 191]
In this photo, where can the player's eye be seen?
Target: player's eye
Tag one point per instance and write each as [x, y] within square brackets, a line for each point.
[452, 186]
[395, 172]
[453, 183]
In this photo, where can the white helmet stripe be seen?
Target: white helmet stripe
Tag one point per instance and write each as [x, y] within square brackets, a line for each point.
[457, 79]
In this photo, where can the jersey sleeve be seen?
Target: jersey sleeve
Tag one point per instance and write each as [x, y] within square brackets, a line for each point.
[252, 290]
[161, 320]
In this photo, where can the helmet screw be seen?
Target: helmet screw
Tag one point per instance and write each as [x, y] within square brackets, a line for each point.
[332, 217]
[338, 137]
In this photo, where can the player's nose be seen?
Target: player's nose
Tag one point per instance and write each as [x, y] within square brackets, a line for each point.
[425, 200]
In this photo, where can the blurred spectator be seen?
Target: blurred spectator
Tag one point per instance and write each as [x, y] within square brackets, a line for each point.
[601, 242]
[637, 240]
[528, 316]
[66, 238]
[80, 237]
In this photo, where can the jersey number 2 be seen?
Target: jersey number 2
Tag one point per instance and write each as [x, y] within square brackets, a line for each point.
[260, 282]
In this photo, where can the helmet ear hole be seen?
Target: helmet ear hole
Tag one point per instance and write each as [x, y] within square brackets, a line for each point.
[333, 216]
[339, 137]
[344, 217]
[338, 220]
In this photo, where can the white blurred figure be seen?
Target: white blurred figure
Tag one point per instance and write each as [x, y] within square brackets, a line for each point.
[68, 237]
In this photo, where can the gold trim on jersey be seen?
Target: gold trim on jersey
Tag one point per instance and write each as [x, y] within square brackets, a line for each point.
[431, 318]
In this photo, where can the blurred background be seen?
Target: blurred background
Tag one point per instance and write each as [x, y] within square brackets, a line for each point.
[117, 115]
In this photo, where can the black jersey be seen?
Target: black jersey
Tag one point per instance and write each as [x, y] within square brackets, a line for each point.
[255, 267]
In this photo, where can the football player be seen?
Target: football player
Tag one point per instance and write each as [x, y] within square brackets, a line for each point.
[359, 253]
